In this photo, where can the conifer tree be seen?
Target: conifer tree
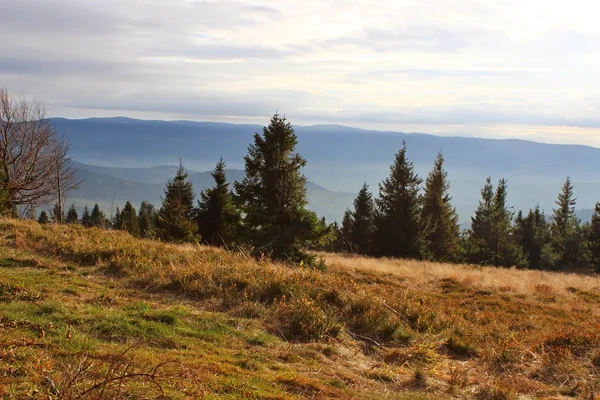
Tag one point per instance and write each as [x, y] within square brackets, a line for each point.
[43, 218]
[505, 252]
[565, 228]
[72, 217]
[363, 222]
[97, 218]
[117, 222]
[272, 196]
[531, 234]
[175, 217]
[398, 225]
[478, 243]
[147, 220]
[594, 239]
[86, 218]
[129, 219]
[344, 238]
[218, 218]
[439, 218]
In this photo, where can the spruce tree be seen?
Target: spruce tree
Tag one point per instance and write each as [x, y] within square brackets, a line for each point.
[97, 218]
[43, 218]
[531, 234]
[398, 224]
[478, 243]
[594, 239]
[565, 228]
[117, 222]
[363, 222]
[129, 219]
[344, 239]
[175, 217]
[439, 218]
[147, 220]
[272, 196]
[218, 218]
[72, 217]
[505, 251]
[86, 218]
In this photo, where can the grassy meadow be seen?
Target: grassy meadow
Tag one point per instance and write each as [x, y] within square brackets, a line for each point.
[93, 314]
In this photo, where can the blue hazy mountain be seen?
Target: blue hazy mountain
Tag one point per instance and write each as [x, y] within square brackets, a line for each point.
[340, 158]
[111, 187]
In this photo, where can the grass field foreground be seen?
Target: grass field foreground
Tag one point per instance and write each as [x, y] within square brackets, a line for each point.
[87, 313]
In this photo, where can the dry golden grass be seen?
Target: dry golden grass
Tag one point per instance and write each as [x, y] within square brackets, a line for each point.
[365, 328]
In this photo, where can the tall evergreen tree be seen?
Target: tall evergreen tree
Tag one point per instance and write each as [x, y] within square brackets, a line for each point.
[505, 251]
[43, 218]
[565, 228]
[478, 243]
[147, 220]
[86, 218]
[97, 218]
[218, 218]
[531, 234]
[442, 230]
[398, 224]
[363, 222]
[72, 217]
[117, 222]
[344, 238]
[175, 217]
[272, 196]
[129, 219]
[594, 239]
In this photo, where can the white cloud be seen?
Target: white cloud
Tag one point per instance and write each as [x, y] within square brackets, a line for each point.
[500, 69]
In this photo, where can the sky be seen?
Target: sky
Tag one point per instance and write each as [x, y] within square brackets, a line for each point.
[504, 69]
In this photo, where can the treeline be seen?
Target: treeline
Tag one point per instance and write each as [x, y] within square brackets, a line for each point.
[407, 220]
[410, 217]
[265, 212]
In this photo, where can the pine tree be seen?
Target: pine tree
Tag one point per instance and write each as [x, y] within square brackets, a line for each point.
[175, 217]
[594, 239]
[363, 222]
[478, 243]
[86, 218]
[344, 238]
[72, 217]
[272, 196]
[505, 252]
[43, 218]
[117, 221]
[442, 230]
[218, 218]
[398, 225]
[98, 219]
[147, 220]
[531, 234]
[565, 228]
[129, 219]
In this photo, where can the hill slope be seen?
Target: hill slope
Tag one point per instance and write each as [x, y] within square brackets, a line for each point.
[103, 315]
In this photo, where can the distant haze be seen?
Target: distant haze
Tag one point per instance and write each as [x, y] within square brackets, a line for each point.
[502, 69]
[136, 157]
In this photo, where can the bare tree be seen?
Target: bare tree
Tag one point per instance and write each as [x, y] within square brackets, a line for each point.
[34, 165]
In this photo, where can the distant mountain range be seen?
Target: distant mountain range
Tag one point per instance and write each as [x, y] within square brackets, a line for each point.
[111, 187]
[138, 156]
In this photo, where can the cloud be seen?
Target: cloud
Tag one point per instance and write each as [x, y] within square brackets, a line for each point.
[446, 66]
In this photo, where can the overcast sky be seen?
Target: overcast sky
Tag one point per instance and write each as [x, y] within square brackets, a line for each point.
[524, 68]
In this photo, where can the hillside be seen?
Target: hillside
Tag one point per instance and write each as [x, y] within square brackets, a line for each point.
[111, 187]
[342, 158]
[99, 314]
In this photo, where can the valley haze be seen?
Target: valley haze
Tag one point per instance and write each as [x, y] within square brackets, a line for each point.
[124, 159]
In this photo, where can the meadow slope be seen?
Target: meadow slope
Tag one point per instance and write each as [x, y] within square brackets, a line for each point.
[86, 313]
